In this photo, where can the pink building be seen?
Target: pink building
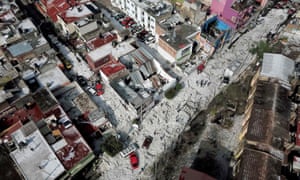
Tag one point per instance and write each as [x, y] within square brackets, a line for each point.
[235, 12]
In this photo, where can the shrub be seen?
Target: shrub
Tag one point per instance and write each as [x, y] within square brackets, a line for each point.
[261, 48]
[112, 146]
[171, 93]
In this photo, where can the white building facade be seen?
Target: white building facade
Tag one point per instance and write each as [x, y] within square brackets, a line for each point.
[143, 12]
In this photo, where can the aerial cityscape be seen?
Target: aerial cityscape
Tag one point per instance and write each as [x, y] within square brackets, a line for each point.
[149, 89]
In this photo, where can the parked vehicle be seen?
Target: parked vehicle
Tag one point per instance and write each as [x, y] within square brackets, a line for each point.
[142, 34]
[126, 20]
[149, 38]
[131, 148]
[134, 161]
[119, 16]
[99, 89]
[65, 122]
[147, 142]
[130, 23]
[81, 81]
[91, 90]
[137, 29]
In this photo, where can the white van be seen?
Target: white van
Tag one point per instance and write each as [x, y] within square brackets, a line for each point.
[131, 148]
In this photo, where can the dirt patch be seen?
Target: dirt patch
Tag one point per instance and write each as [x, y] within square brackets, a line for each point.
[230, 102]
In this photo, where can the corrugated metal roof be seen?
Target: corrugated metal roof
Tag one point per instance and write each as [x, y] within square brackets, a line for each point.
[137, 78]
[20, 48]
[277, 66]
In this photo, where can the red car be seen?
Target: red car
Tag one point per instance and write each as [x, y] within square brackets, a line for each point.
[99, 89]
[126, 21]
[134, 161]
[130, 23]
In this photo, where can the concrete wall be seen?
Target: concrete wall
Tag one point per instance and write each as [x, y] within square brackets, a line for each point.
[165, 46]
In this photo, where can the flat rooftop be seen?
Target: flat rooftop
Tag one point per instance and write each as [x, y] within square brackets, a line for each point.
[26, 26]
[76, 149]
[120, 50]
[66, 95]
[53, 78]
[7, 71]
[34, 156]
[75, 13]
[177, 38]
[44, 100]
[156, 8]
[84, 103]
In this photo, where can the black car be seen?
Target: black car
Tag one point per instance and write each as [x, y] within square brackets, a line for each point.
[137, 29]
[141, 35]
[147, 142]
[119, 16]
[226, 80]
[81, 81]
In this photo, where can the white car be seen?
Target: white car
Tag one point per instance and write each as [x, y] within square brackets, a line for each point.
[91, 90]
[131, 148]
[65, 122]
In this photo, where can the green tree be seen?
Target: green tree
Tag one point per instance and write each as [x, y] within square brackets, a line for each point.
[260, 48]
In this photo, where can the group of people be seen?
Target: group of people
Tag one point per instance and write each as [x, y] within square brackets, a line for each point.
[203, 83]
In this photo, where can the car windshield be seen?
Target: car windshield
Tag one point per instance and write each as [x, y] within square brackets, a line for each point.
[66, 123]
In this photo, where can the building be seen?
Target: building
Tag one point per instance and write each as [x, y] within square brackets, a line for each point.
[53, 78]
[70, 16]
[9, 35]
[28, 48]
[147, 13]
[107, 53]
[175, 41]
[105, 38]
[146, 71]
[99, 57]
[196, 11]
[279, 67]
[214, 33]
[113, 69]
[265, 137]
[80, 107]
[8, 13]
[235, 13]
[255, 164]
[145, 79]
[35, 126]
[33, 155]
